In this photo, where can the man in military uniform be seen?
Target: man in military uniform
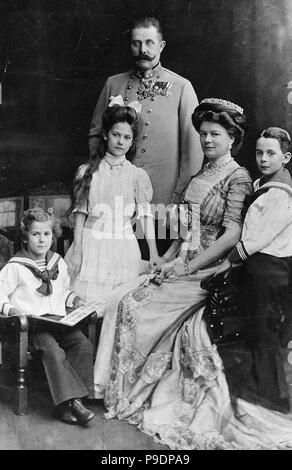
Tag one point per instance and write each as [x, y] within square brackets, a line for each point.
[168, 148]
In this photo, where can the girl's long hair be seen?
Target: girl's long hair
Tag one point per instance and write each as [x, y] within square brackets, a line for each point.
[111, 116]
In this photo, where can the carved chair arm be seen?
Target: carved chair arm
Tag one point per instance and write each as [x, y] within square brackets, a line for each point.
[20, 322]
[93, 318]
[222, 303]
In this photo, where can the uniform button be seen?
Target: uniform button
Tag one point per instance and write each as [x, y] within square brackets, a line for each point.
[143, 150]
[145, 136]
[126, 98]
[147, 123]
[149, 110]
[129, 87]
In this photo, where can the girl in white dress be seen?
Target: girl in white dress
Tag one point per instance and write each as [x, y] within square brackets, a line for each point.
[107, 192]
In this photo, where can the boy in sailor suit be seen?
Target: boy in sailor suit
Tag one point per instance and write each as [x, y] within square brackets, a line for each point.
[266, 249]
[35, 281]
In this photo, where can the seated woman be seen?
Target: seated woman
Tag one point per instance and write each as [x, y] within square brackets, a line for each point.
[155, 365]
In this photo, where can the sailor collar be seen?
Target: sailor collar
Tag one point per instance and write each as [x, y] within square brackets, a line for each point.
[46, 276]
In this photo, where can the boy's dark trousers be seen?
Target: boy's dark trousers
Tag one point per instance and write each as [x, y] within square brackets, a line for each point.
[268, 300]
[67, 357]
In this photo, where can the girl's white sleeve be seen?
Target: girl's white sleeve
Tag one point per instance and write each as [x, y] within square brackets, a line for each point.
[70, 295]
[143, 194]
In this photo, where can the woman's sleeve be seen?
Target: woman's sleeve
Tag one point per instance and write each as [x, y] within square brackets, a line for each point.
[8, 284]
[84, 206]
[267, 217]
[240, 186]
[143, 194]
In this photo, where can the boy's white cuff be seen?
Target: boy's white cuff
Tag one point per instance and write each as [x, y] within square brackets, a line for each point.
[70, 300]
[5, 308]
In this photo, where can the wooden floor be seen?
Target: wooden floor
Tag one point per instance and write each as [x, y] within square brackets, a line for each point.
[39, 430]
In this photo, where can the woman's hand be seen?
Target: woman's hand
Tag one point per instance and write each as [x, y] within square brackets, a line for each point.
[175, 270]
[156, 263]
[74, 263]
[225, 266]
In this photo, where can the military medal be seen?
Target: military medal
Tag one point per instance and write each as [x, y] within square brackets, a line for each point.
[150, 88]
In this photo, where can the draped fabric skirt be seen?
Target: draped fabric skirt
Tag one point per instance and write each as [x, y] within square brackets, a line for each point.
[108, 259]
[156, 368]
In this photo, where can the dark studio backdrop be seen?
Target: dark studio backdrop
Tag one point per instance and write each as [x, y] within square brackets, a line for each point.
[55, 56]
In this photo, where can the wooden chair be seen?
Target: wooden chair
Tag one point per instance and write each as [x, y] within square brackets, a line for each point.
[14, 337]
[7, 247]
[223, 313]
[14, 351]
[227, 325]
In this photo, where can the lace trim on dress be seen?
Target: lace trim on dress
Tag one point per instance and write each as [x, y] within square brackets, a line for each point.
[155, 366]
[99, 391]
[178, 437]
[205, 363]
[130, 362]
[119, 406]
[126, 359]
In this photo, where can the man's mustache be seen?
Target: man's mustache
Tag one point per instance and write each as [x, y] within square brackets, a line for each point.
[144, 57]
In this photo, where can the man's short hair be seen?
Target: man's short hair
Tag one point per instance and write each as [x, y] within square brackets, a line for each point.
[147, 22]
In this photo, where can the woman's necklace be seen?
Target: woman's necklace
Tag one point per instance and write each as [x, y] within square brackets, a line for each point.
[112, 165]
[212, 168]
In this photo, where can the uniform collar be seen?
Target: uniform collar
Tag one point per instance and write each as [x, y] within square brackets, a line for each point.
[146, 74]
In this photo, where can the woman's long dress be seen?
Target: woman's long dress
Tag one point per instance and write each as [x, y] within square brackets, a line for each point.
[110, 251]
[156, 366]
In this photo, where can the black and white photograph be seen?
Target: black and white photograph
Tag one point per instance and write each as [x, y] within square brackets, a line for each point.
[145, 227]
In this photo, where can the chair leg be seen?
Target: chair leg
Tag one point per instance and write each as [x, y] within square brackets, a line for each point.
[94, 327]
[92, 336]
[21, 407]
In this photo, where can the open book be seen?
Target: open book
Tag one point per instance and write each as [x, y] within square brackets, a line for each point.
[75, 316]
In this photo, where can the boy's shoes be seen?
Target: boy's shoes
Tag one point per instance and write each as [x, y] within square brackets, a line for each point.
[64, 413]
[74, 412]
[80, 412]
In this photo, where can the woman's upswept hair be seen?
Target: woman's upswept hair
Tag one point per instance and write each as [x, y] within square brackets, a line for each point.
[38, 214]
[277, 133]
[230, 118]
[111, 116]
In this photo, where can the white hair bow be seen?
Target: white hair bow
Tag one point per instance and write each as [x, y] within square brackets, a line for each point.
[113, 100]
